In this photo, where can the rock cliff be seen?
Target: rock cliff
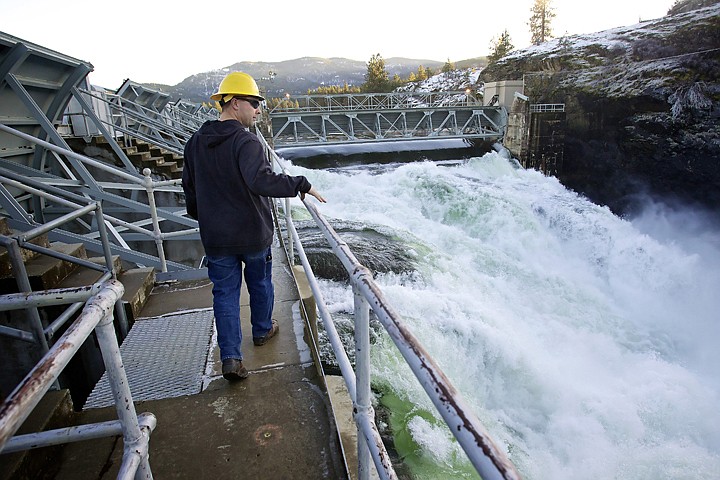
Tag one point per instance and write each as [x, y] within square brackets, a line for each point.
[642, 103]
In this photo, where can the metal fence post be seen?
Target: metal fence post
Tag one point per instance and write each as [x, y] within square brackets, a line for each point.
[288, 220]
[157, 233]
[135, 439]
[363, 406]
[23, 283]
[123, 324]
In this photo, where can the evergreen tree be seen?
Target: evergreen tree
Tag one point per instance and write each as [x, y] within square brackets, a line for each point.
[377, 78]
[448, 67]
[412, 77]
[421, 74]
[334, 90]
[396, 81]
[540, 20]
[500, 46]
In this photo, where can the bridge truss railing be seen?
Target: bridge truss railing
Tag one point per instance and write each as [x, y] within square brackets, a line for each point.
[380, 117]
[489, 461]
[547, 107]
[331, 127]
[375, 101]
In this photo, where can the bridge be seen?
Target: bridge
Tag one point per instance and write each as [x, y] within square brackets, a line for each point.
[375, 117]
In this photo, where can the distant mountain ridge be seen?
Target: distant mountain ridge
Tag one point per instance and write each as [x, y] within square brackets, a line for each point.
[295, 76]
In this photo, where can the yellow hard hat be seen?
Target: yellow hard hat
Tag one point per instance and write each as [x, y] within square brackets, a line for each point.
[237, 83]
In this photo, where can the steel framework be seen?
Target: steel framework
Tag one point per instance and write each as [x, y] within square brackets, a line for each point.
[348, 118]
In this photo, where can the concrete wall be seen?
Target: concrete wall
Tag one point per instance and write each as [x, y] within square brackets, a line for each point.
[547, 142]
[505, 90]
[537, 139]
[517, 135]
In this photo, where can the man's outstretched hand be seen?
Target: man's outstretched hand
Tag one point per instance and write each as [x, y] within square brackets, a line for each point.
[314, 193]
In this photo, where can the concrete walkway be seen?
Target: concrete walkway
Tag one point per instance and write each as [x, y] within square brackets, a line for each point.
[277, 424]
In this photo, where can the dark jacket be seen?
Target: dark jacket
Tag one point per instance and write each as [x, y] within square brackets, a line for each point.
[227, 180]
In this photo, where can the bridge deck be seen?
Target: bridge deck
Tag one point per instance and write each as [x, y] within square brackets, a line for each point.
[275, 424]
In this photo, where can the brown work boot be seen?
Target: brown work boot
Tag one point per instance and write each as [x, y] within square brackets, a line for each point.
[259, 341]
[233, 369]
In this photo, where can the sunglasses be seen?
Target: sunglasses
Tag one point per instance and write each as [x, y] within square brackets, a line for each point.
[253, 102]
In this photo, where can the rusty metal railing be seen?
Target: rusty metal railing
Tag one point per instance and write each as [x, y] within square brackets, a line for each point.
[489, 461]
[98, 316]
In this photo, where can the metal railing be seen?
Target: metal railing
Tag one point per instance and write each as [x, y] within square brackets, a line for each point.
[45, 188]
[547, 107]
[375, 101]
[99, 301]
[490, 462]
[43, 335]
[169, 129]
[138, 121]
[98, 316]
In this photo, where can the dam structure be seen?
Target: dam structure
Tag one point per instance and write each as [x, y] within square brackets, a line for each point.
[107, 308]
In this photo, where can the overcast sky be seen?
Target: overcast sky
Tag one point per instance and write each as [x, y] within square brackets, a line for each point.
[165, 42]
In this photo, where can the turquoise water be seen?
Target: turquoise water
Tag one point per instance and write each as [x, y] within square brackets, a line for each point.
[585, 343]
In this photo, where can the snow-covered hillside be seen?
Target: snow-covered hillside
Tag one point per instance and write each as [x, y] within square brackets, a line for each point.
[649, 58]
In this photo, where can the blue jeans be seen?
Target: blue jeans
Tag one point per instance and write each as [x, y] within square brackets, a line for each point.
[226, 274]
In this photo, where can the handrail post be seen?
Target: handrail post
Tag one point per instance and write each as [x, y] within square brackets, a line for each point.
[363, 406]
[157, 233]
[23, 283]
[288, 221]
[102, 230]
[135, 439]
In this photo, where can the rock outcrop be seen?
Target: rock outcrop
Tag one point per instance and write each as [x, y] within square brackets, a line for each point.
[642, 103]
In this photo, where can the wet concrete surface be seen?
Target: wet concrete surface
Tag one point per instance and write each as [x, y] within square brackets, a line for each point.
[276, 424]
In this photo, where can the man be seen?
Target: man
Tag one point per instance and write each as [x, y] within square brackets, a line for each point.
[227, 180]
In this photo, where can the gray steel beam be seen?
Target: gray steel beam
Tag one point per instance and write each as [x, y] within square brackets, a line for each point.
[48, 127]
[90, 112]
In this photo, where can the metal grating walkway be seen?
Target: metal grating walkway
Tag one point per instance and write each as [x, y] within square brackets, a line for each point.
[164, 357]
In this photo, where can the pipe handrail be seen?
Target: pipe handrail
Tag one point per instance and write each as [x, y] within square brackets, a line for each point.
[489, 461]
[96, 316]
[171, 126]
[12, 244]
[60, 200]
[365, 420]
[144, 181]
[138, 179]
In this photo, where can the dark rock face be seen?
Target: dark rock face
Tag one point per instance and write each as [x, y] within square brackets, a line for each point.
[378, 250]
[684, 6]
[642, 103]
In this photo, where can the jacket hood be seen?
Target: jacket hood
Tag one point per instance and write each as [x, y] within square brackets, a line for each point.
[216, 132]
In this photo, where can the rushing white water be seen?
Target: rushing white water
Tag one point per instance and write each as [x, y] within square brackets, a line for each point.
[585, 343]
